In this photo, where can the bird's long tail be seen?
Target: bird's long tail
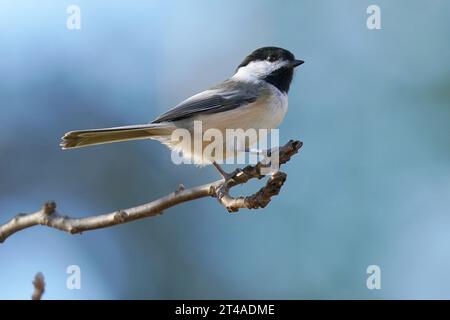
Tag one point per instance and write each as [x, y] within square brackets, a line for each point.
[84, 138]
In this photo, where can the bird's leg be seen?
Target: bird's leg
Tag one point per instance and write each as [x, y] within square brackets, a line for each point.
[223, 173]
[227, 176]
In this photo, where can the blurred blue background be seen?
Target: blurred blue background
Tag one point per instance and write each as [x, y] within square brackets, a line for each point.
[371, 185]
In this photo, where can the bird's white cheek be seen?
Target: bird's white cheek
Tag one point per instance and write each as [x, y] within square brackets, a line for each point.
[257, 69]
[253, 70]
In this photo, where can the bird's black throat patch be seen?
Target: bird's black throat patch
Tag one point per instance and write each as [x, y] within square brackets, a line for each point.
[281, 78]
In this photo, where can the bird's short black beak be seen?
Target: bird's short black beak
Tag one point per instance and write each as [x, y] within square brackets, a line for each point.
[296, 63]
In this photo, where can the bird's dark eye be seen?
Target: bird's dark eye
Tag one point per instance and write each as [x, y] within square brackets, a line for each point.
[272, 58]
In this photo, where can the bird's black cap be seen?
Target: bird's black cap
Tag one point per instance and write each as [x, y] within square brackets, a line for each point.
[271, 54]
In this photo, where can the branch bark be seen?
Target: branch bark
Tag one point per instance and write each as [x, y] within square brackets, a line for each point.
[39, 286]
[48, 216]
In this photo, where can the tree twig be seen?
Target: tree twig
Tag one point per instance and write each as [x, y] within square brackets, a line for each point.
[39, 286]
[48, 216]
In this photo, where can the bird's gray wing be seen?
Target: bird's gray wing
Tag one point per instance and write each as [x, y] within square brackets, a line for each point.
[218, 99]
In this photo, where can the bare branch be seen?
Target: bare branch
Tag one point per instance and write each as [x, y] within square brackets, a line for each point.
[39, 286]
[48, 216]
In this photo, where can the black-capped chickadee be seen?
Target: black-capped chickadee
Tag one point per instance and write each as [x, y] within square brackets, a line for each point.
[255, 97]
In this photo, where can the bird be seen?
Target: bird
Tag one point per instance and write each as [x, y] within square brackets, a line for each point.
[254, 97]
